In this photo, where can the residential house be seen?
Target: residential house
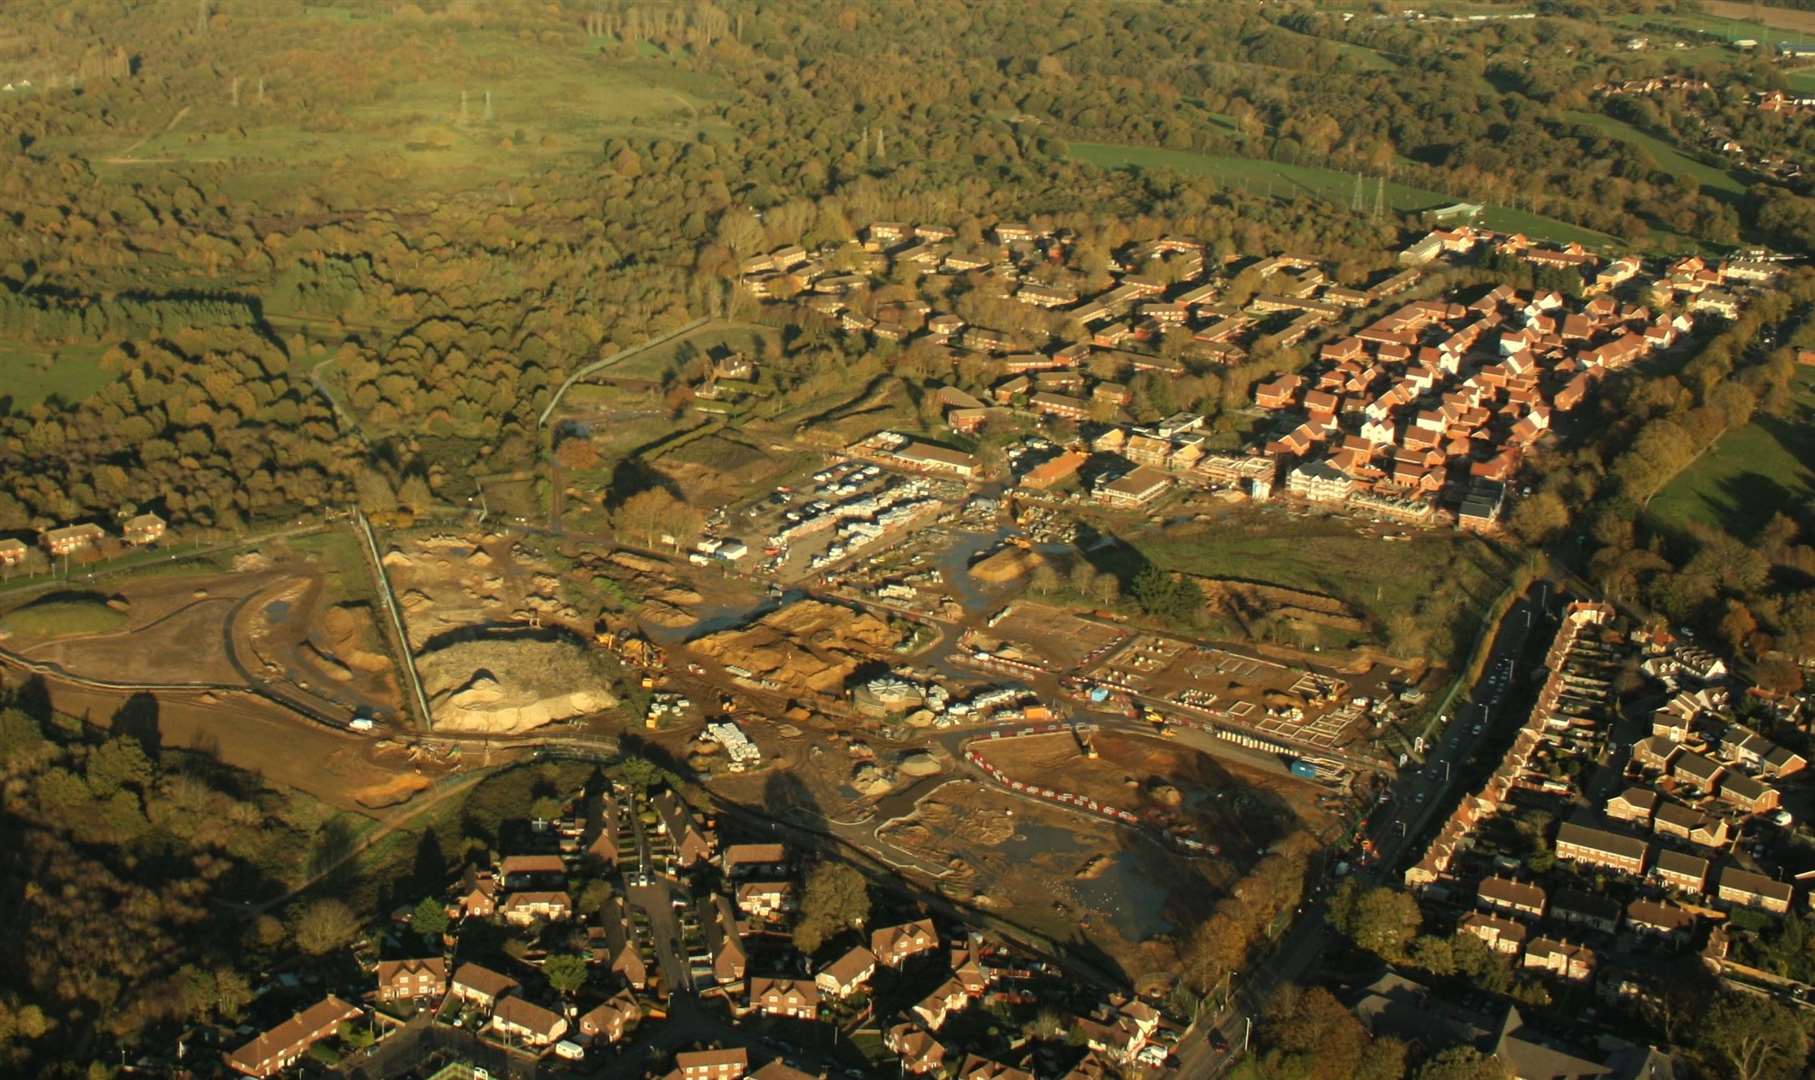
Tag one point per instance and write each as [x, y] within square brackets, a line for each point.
[781, 1070]
[976, 1067]
[1598, 847]
[1676, 820]
[613, 944]
[742, 860]
[1061, 405]
[529, 871]
[847, 974]
[12, 553]
[766, 900]
[1511, 897]
[412, 980]
[796, 999]
[949, 997]
[144, 529]
[480, 986]
[1678, 870]
[1635, 804]
[1654, 752]
[1742, 888]
[477, 894]
[724, 939]
[1662, 919]
[527, 1022]
[1501, 935]
[1748, 794]
[607, 1022]
[72, 539]
[675, 819]
[893, 945]
[276, 1049]
[728, 1064]
[1572, 962]
[919, 1051]
[527, 908]
[1696, 770]
[1572, 907]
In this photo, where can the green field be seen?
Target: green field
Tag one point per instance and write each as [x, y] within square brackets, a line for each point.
[1803, 81]
[1728, 29]
[1750, 474]
[1255, 174]
[523, 107]
[28, 377]
[1667, 157]
[63, 615]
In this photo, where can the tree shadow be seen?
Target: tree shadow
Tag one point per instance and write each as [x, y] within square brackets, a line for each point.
[138, 719]
[787, 798]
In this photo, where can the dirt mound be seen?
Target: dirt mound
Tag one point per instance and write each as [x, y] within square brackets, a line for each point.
[808, 645]
[511, 685]
[1251, 600]
[919, 763]
[325, 661]
[1006, 565]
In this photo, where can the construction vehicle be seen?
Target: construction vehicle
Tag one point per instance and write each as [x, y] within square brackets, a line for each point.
[1160, 725]
[629, 646]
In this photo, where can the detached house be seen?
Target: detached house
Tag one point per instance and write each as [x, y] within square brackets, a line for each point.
[894, 945]
[607, 1023]
[919, 1051]
[847, 974]
[72, 539]
[12, 553]
[144, 529]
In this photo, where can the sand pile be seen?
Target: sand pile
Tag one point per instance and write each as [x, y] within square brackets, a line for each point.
[511, 685]
[1006, 565]
[808, 645]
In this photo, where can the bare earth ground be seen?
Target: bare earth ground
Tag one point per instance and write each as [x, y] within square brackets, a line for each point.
[244, 731]
[1061, 874]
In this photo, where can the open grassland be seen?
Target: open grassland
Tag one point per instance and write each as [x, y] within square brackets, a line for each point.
[710, 340]
[1802, 81]
[1331, 185]
[1667, 157]
[1750, 474]
[1735, 21]
[30, 376]
[477, 105]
